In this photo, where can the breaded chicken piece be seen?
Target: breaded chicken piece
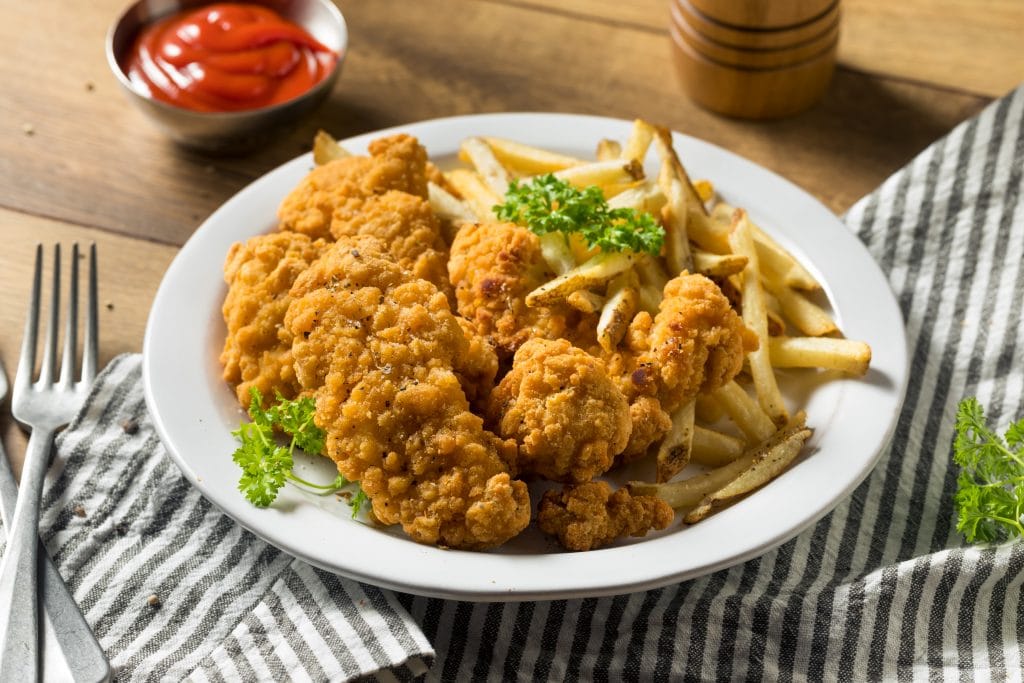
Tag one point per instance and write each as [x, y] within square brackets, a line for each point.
[382, 354]
[407, 225]
[493, 266]
[257, 349]
[696, 343]
[567, 415]
[339, 188]
[589, 516]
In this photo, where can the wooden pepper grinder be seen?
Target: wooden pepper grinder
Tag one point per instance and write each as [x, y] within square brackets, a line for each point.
[755, 59]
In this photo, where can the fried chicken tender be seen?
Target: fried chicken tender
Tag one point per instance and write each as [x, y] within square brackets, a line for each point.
[338, 189]
[383, 354]
[567, 415]
[493, 266]
[589, 516]
[696, 343]
[407, 225]
[257, 349]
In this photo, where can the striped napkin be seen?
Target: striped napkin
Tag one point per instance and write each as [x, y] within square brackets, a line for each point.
[881, 588]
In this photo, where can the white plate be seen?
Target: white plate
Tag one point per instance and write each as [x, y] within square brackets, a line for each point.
[195, 411]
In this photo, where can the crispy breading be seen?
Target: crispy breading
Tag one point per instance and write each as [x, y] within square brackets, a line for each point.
[493, 266]
[257, 348]
[696, 343]
[589, 516]
[383, 354]
[340, 187]
[409, 228]
[567, 415]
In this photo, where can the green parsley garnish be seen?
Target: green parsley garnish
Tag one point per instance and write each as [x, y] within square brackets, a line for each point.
[547, 204]
[266, 464]
[990, 489]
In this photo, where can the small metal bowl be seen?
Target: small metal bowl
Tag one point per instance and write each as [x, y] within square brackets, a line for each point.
[228, 131]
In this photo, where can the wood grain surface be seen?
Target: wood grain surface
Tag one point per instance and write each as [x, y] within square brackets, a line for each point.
[77, 162]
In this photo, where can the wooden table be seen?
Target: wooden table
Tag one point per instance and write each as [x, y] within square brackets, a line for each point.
[78, 163]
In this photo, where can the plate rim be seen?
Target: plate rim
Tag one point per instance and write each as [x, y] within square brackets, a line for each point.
[482, 591]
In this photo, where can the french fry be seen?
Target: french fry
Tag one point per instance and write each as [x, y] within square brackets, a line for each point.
[776, 325]
[709, 411]
[769, 461]
[452, 212]
[689, 492]
[612, 191]
[795, 274]
[479, 153]
[652, 282]
[706, 233]
[579, 248]
[555, 250]
[663, 144]
[599, 270]
[777, 264]
[744, 411]
[845, 355]
[674, 451]
[705, 190]
[649, 299]
[646, 196]
[475, 192]
[650, 271]
[608, 149]
[639, 141]
[602, 173]
[618, 310]
[586, 301]
[674, 217]
[755, 317]
[714, 449]
[717, 265]
[526, 160]
[327, 149]
[805, 315]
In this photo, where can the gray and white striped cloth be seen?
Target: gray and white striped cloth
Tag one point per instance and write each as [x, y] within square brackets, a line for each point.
[881, 588]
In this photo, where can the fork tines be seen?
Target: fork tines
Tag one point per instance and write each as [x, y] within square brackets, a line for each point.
[69, 361]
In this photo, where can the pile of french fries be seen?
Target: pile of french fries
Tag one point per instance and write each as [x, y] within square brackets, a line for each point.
[742, 441]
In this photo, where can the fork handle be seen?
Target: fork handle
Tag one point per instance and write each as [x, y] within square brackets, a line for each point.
[19, 621]
[83, 655]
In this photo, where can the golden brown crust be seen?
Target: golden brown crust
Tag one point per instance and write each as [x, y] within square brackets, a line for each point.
[564, 411]
[408, 227]
[341, 186]
[383, 354]
[257, 348]
[589, 516]
[697, 342]
[493, 266]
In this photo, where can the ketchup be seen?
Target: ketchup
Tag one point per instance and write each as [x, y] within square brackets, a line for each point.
[227, 57]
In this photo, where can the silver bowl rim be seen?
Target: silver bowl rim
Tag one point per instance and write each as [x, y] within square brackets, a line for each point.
[325, 82]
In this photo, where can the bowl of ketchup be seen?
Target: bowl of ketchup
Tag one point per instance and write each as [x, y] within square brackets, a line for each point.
[222, 76]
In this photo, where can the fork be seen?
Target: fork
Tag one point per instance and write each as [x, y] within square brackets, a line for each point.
[43, 406]
[83, 656]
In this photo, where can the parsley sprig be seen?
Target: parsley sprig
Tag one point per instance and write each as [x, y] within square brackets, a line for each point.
[546, 204]
[266, 464]
[990, 488]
